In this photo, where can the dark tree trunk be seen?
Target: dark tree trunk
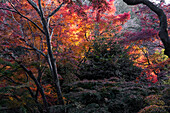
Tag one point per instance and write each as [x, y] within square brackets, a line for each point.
[163, 33]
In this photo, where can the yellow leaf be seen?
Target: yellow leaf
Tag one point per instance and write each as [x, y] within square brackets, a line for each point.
[11, 98]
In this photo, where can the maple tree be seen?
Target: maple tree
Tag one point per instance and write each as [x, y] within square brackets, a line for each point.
[148, 42]
[21, 36]
[37, 37]
[163, 34]
[30, 45]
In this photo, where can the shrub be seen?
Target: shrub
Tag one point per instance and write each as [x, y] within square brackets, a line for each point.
[108, 59]
[154, 100]
[153, 109]
[107, 96]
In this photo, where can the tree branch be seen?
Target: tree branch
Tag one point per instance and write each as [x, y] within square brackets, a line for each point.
[16, 11]
[40, 7]
[33, 47]
[34, 5]
[163, 33]
[8, 9]
[57, 9]
[31, 75]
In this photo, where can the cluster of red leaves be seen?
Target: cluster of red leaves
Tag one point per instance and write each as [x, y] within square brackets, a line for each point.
[148, 35]
[74, 27]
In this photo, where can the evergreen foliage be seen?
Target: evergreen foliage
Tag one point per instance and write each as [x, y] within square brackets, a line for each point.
[108, 59]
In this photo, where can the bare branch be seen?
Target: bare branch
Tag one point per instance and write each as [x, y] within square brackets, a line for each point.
[16, 11]
[18, 24]
[57, 9]
[34, 5]
[31, 75]
[11, 80]
[40, 7]
[32, 22]
[43, 20]
[8, 9]
[33, 47]
[51, 34]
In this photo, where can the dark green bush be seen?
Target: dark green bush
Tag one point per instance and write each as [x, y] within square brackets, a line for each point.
[166, 96]
[108, 96]
[108, 59]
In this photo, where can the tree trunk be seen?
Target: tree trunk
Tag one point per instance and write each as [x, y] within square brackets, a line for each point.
[163, 33]
[50, 57]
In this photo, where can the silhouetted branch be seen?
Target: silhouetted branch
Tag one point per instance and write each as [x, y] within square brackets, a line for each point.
[163, 33]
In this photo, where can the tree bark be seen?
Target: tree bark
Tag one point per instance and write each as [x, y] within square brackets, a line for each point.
[51, 60]
[163, 33]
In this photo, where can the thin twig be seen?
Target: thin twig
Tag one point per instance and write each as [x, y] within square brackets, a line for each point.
[57, 9]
